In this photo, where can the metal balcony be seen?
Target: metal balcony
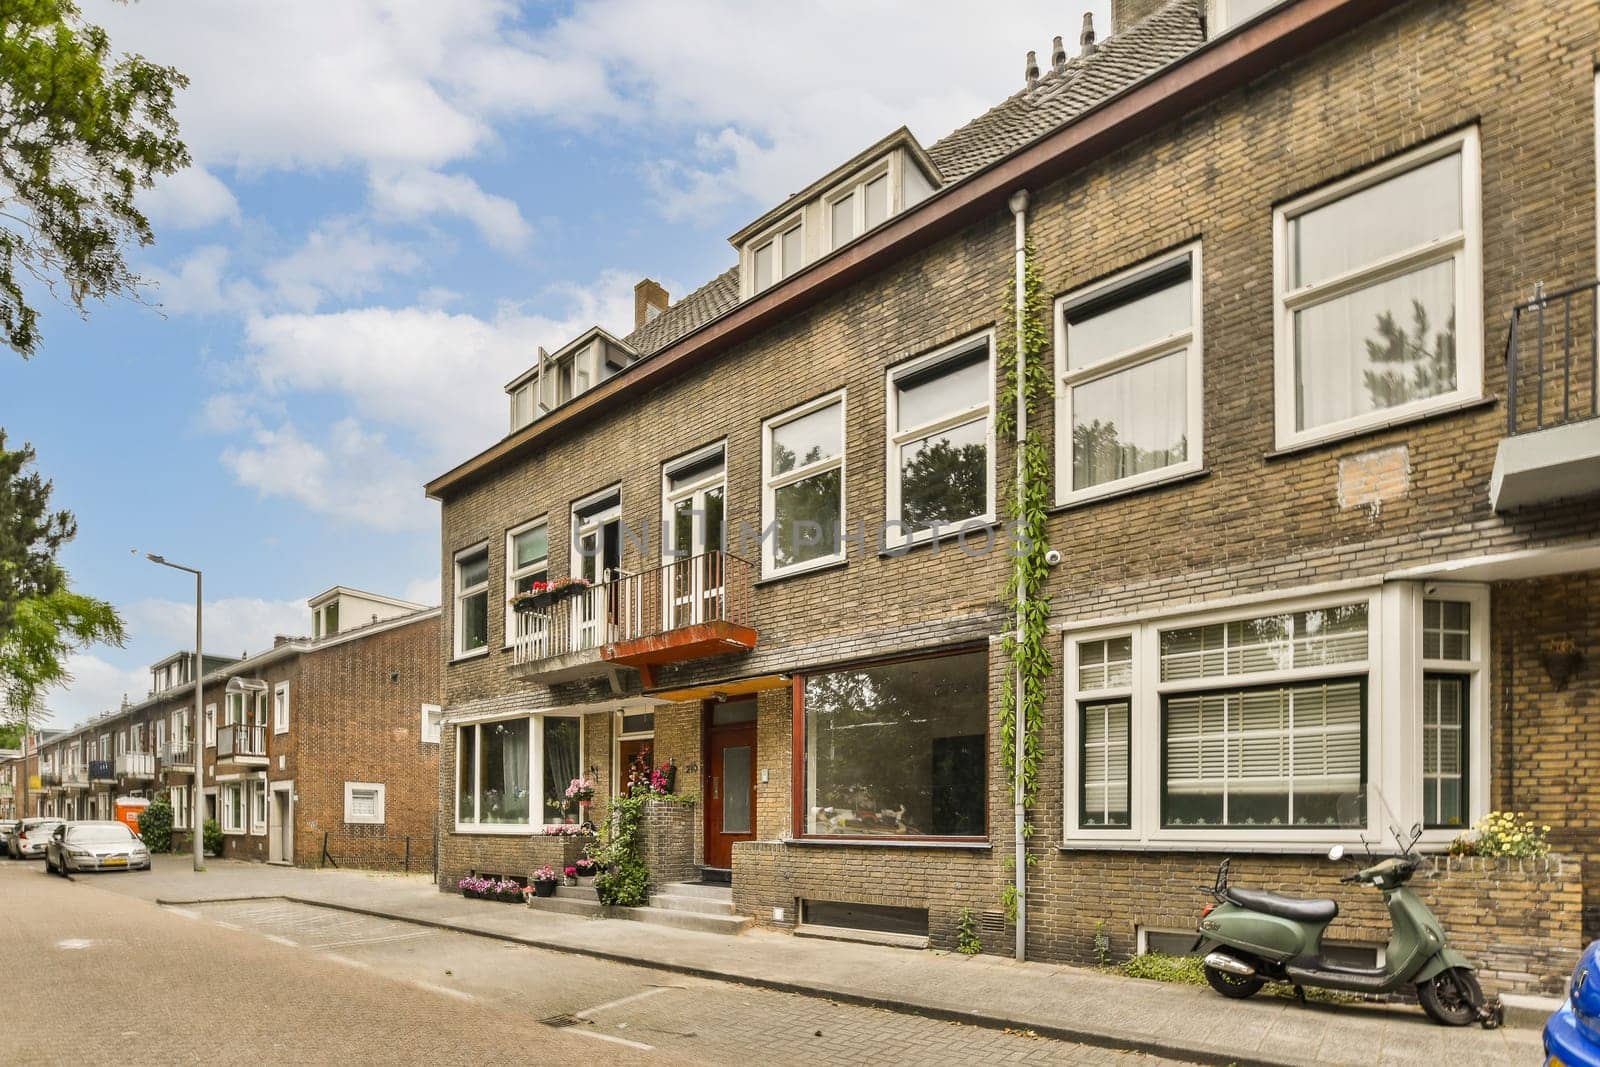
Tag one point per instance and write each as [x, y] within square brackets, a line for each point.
[140, 766]
[685, 609]
[1551, 450]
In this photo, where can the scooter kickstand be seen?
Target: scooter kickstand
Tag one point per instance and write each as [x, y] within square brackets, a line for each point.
[1299, 993]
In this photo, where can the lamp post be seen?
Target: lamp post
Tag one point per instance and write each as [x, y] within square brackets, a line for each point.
[197, 803]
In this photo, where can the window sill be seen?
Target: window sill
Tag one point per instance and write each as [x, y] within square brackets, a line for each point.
[1133, 490]
[1358, 432]
[972, 845]
[469, 656]
[973, 527]
[801, 572]
[1238, 848]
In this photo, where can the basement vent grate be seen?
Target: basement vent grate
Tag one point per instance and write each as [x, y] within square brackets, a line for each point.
[992, 922]
[559, 1021]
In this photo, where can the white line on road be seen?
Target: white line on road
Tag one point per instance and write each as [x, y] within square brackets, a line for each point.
[227, 926]
[446, 990]
[283, 940]
[376, 940]
[629, 999]
[640, 1045]
[347, 961]
[184, 913]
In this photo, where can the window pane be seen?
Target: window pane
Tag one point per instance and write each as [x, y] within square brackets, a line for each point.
[531, 546]
[899, 749]
[736, 790]
[474, 570]
[1446, 629]
[1104, 759]
[1130, 422]
[504, 797]
[562, 763]
[1389, 344]
[945, 478]
[1147, 316]
[1404, 212]
[467, 738]
[474, 621]
[641, 722]
[807, 518]
[955, 386]
[877, 201]
[844, 219]
[1105, 664]
[1444, 739]
[1266, 643]
[763, 266]
[793, 258]
[809, 438]
[363, 803]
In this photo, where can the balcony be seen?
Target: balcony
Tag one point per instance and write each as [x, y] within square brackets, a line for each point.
[686, 609]
[177, 757]
[75, 779]
[50, 779]
[1551, 450]
[136, 766]
[242, 745]
[102, 771]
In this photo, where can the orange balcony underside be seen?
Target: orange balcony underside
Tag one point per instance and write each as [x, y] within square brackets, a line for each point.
[699, 641]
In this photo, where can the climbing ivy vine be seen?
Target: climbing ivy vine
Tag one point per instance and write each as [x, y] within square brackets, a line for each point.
[1027, 641]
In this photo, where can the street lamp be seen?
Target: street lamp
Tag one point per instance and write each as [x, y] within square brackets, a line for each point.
[196, 815]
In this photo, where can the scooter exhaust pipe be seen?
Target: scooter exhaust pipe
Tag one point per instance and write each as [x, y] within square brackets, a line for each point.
[1221, 961]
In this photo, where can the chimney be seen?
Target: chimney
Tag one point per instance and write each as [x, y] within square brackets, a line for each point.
[1032, 71]
[1086, 39]
[282, 639]
[1058, 55]
[649, 300]
[1126, 13]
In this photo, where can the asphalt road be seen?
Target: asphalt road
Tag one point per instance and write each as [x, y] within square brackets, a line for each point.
[277, 981]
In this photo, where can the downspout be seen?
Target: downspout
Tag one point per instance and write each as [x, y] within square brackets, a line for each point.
[1019, 729]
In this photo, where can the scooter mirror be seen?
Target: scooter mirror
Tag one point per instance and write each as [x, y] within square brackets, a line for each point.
[1336, 853]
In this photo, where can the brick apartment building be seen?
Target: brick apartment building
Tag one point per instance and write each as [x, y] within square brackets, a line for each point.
[322, 741]
[1326, 514]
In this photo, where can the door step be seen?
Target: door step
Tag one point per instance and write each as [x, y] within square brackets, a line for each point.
[675, 909]
[697, 904]
[703, 890]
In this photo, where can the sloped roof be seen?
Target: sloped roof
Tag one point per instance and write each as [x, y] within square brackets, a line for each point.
[1167, 35]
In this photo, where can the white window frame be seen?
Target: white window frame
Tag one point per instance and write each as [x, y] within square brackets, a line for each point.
[535, 772]
[432, 720]
[182, 806]
[1464, 249]
[350, 816]
[857, 187]
[459, 595]
[1223, 20]
[280, 708]
[1191, 340]
[256, 793]
[1394, 669]
[513, 573]
[894, 531]
[771, 483]
[671, 495]
[619, 735]
[211, 726]
[225, 808]
[773, 235]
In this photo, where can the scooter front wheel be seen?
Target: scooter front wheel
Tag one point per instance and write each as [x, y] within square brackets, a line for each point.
[1235, 986]
[1451, 997]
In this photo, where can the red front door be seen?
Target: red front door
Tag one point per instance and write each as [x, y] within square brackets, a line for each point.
[729, 787]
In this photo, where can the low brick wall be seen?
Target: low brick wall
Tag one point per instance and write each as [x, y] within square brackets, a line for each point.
[667, 834]
[505, 855]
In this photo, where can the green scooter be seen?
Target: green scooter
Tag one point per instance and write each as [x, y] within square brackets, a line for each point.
[1250, 937]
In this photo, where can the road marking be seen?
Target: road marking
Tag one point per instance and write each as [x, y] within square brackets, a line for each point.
[446, 990]
[346, 961]
[184, 913]
[376, 940]
[227, 926]
[629, 999]
[72, 944]
[640, 1045]
[283, 941]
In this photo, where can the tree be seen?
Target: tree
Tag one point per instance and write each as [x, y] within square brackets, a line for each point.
[44, 632]
[30, 533]
[81, 131]
[11, 735]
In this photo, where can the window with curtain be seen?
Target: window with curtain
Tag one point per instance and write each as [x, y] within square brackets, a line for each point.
[1377, 295]
[527, 562]
[563, 761]
[497, 764]
[1129, 363]
[939, 439]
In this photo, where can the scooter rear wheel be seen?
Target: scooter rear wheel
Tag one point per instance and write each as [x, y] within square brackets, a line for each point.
[1235, 986]
[1452, 997]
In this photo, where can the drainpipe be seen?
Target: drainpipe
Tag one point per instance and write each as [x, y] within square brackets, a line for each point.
[1019, 211]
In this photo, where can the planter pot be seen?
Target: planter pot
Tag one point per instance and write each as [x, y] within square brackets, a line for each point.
[569, 881]
[512, 897]
[470, 894]
[544, 889]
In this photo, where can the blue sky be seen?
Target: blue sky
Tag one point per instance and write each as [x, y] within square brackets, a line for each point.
[392, 206]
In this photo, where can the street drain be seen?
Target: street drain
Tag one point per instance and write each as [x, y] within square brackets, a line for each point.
[559, 1021]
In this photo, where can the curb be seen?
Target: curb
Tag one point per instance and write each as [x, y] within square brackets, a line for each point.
[987, 1021]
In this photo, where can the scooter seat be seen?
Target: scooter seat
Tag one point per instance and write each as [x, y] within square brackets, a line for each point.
[1296, 908]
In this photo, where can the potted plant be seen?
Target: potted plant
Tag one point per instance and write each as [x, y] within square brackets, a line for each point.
[544, 881]
[581, 792]
[571, 874]
[585, 870]
[508, 891]
[474, 888]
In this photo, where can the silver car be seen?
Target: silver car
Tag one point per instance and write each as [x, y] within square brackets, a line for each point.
[95, 846]
[6, 827]
[27, 841]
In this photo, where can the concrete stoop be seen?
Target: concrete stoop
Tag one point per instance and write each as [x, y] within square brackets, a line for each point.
[680, 906]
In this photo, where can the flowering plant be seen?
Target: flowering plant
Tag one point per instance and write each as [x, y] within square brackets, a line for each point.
[581, 790]
[546, 873]
[642, 778]
[571, 872]
[564, 829]
[474, 884]
[1503, 833]
[585, 866]
[538, 593]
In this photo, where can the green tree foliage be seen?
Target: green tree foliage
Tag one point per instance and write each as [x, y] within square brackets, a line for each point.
[623, 879]
[81, 131]
[44, 632]
[11, 735]
[807, 511]
[212, 838]
[944, 483]
[30, 533]
[155, 824]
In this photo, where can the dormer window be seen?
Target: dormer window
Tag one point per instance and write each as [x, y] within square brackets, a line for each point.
[863, 206]
[778, 257]
[572, 371]
[1226, 14]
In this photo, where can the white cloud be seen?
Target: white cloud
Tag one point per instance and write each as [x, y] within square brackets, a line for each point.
[201, 285]
[189, 199]
[339, 259]
[97, 686]
[417, 194]
[353, 475]
[233, 625]
[422, 591]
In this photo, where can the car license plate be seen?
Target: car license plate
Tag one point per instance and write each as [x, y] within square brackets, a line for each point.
[114, 861]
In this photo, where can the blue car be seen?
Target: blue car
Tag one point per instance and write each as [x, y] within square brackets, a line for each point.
[1572, 1035]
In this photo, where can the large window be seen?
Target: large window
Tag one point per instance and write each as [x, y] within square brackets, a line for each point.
[1450, 659]
[1128, 361]
[498, 763]
[1105, 683]
[1378, 284]
[940, 446]
[472, 601]
[898, 749]
[803, 490]
[527, 561]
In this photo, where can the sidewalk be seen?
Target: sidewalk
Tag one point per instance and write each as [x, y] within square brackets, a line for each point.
[1071, 1003]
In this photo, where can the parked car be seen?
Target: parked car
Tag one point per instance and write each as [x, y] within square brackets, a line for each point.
[95, 846]
[6, 828]
[27, 841]
[1572, 1034]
